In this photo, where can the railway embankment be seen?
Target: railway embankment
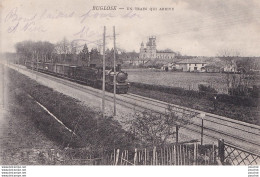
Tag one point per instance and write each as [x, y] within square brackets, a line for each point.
[18, 132]
[64, 120]
[244, 109]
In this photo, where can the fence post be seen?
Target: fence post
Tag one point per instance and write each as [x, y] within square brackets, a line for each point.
[117, 156]
[221, 150]
[122, 156]
[135, 156]
[154, 154]
[174, 154]
[194, 154]
[213, 154]
[145, 156]
[114, 156]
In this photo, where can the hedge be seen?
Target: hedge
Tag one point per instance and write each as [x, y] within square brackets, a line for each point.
[236, 100]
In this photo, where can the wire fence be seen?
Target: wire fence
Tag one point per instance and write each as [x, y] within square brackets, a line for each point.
[232, 155]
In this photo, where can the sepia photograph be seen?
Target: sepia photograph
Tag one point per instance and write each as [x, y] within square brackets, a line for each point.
[129, 83]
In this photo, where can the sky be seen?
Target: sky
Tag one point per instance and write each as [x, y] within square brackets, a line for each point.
[191, 27]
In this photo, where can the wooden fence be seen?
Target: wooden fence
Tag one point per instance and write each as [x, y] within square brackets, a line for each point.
[182, 154]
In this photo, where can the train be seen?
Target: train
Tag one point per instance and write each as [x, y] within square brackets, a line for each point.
[89, 75]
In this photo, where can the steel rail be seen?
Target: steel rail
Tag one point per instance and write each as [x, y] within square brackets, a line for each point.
[209, 120]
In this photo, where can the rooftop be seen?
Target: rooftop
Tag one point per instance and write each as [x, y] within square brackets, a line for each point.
[193, 61]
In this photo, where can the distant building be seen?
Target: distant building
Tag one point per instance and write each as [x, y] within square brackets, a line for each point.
[230, 67]
[149, 51]
[192, 65]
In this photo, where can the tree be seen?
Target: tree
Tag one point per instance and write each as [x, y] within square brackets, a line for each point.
[110, 57]
[156, 129]
[247, 78]
[34, 51]
[62, 48]
[74, 50]
[47, 51]
[228, 53]
[95, 57]
[229, 58]
[240, 81]
[23, 49]
[84, 55]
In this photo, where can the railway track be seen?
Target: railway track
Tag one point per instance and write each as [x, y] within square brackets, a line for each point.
[243, 135]
[213, 119]
[208, 115]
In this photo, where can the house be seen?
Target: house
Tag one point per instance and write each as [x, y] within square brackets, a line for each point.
[192, 65]
[230, 67]
[137, 62]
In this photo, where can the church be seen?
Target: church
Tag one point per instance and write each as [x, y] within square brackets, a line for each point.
[149, 51]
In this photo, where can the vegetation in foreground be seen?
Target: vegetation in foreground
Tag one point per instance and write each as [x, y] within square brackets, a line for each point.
[90, 131]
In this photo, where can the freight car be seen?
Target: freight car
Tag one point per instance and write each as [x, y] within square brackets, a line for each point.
[91, 76]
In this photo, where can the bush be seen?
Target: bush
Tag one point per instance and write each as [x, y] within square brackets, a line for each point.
[255, 92]
[238, 91]
[238, 100]
[204, 88]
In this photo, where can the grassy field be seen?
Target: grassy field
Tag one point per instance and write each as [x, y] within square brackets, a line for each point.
[184, 80]
[189, 81]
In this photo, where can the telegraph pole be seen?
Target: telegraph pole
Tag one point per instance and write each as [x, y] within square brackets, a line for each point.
[36, 66]
[104, 65]
[202, 116]
[114, 71]
[88, 59]
[3, 82]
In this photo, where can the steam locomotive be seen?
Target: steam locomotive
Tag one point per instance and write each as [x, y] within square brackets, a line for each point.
[92, 75]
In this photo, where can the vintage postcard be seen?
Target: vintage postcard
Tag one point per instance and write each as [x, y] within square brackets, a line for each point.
[113, 82]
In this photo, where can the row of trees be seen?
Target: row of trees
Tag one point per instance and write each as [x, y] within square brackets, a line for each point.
[41, 51]
[244, 83]
[63, 51]
[94, 57]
